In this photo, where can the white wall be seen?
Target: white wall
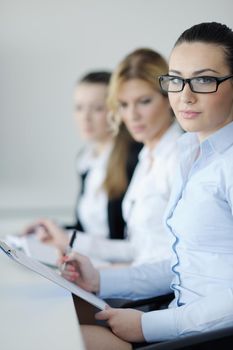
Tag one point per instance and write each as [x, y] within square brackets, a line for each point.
[45, 46]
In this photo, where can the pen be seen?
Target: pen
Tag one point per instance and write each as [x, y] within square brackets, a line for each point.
[69, 248]
[71, 243]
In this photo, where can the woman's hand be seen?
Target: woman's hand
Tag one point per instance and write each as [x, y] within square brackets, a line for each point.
[125, 323]
[78, 269]
[48, 232]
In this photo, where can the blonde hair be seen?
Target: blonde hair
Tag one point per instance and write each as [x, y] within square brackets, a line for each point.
[117, 180]
[145, 64]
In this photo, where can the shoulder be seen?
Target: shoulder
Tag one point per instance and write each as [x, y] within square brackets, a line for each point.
[83, 159]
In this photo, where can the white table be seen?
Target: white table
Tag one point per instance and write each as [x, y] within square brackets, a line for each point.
[35, 313]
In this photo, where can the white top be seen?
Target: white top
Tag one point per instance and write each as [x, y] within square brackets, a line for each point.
[147, 197]
[92, 206]
[143, 208]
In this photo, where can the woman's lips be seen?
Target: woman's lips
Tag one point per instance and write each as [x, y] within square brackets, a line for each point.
[137, 128]
[189, 114]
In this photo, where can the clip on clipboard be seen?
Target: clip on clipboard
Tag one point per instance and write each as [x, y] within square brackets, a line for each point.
[8, 250]
[51, 275]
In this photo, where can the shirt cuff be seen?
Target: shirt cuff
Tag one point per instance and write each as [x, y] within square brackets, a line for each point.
[159, 325]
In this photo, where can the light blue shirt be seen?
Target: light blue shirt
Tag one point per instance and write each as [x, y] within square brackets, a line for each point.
[200, 219]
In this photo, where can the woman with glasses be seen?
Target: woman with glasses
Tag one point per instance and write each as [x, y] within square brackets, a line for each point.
[199, 216]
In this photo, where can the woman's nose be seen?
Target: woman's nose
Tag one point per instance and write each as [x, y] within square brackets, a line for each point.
[187, 95]
[133, 112]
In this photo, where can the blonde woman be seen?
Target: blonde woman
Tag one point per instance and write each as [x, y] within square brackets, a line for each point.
[135, 100]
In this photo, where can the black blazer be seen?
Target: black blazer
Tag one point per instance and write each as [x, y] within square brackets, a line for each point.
[116, 222]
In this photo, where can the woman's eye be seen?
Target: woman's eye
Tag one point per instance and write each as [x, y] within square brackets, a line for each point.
[78, 108]
[99, 108]
[122, 105]
[176, 81]
[204, 80]
[145, 101]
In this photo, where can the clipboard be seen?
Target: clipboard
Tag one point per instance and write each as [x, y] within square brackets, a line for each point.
[51, 275]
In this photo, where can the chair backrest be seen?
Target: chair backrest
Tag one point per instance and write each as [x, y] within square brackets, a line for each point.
[219, 339]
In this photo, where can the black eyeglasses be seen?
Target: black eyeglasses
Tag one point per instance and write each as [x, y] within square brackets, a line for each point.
[203, 84]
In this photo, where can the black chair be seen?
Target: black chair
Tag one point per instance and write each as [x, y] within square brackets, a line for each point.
[155, 303]
[221, 339]
[150, 304]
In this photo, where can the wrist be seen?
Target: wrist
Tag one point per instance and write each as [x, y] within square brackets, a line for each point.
[96, 284]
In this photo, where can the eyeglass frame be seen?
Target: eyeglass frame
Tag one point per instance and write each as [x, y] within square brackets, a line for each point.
[218, 81]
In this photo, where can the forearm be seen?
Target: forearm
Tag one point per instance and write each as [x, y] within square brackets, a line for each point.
[137, 282]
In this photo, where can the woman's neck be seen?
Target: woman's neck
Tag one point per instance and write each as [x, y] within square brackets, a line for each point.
[100, 146]
[152, 143]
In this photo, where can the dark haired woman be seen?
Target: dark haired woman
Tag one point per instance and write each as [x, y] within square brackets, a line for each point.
[199, 216]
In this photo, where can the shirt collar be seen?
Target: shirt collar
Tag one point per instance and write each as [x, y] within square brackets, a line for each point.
[218, 142]
[190, 146]
[88, 160]
[222, 139]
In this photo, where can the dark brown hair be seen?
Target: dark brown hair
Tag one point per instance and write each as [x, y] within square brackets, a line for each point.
[211, 33]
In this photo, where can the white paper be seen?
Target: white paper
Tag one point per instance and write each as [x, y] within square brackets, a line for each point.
[33, 247]
[53, 276]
